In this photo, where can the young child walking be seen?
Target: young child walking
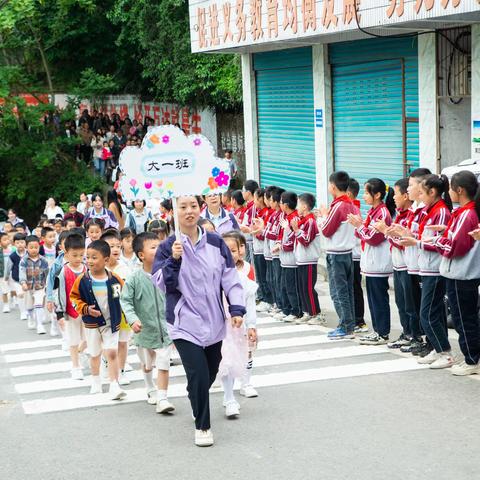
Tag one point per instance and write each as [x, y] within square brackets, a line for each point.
[237, 349]
[340, 241]
[307, 253]
[5, 252]
[95, 295]
[144, 307]
[33, 271]
[12, 272]
[376, 262]
[74, 267]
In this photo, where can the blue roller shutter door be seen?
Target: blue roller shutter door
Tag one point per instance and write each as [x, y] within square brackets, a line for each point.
[286, 143]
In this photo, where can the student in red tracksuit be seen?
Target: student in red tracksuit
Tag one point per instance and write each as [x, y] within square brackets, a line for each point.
[249, 188]
[264, 293]
[434, 195]
[272, 237]
[286, 241]
[267, 255]
[307, 253]
[460, 266]
[376, 262]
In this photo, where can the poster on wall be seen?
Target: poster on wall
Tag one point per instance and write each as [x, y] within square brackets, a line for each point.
[170, 164]
[476, 139]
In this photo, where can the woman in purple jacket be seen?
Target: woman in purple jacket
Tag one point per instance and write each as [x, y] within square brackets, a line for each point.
[194, 272]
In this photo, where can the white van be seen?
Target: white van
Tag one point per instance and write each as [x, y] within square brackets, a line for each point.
[471, 165]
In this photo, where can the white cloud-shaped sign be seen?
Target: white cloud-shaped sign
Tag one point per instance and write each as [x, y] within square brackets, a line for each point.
[170, 164]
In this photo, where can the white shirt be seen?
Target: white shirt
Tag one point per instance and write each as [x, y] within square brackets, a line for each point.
[52, 213]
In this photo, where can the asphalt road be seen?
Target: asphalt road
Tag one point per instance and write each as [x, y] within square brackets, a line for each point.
[325, 411]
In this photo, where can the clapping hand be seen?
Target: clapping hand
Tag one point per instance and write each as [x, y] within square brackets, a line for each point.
[355, 220]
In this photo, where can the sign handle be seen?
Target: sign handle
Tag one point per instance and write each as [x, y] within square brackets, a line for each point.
[175, 219]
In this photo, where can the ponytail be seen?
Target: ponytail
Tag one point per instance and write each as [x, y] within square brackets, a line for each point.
[440, 184]
[468, 181]
[377, 185]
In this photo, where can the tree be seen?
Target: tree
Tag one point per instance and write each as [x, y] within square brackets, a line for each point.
[36, 160]
[158, 34]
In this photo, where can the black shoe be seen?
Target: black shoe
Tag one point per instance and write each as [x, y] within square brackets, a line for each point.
[419, 347]
[415, 344]
[426, 350]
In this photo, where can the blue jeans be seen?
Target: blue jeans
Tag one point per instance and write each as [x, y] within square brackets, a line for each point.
[340, 280]
[406, 304]
[99, 164]
[463, 299]
[432, 313]
[379, 305]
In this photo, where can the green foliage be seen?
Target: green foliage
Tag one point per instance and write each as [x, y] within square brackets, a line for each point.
[94, 86]
[36, 161]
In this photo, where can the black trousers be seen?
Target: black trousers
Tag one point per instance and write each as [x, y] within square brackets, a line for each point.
[277, 283]
[463, 299]
[264, 291]
[358, 299]
[307, 278]
[291, 300]
[417, 298]
[201, 366]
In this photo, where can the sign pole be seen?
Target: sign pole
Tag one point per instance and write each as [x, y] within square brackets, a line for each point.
[175, 219]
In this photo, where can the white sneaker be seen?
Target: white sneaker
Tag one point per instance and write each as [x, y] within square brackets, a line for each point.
[164, 406]
[290, 319]
[31, 323]
[6, 308]
[317, 320]
[263, 307]
[464, 368]
[279, 316]
[96, 387]
[41, 329]
[127, 367]
[115, 392]
[445, 360]
[152, 397]
[77, 374]
[203, 438]
[54, 329]
[232, 409]
[248, 391]
[84, 360]
[428, 359]
[274, 311]
[123, 379]
[23, 316]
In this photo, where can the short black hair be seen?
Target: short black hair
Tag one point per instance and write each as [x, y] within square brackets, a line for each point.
[289, 199]
[139, 200]
[20, 225]
[46, 230]
[100, 246]
[79, 230]
[110, 233]
[402, 185]
[166, 204]
[18, 237]
[237, 195]
[277, 194]
[159, 226]
[140, 239]
[3, 234]
[74, 241]
[353, 187]
[250, 186]
[70, 219]
[260, 192]
[308, 199]
[420, 173]
[63, 235]
[32, 239]
[204, 221]
[340, 179]
[126, 232]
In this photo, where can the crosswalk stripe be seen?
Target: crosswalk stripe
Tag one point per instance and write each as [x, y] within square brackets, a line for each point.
[268, 380]
[53, 342]
[178, 371]
[54, 354]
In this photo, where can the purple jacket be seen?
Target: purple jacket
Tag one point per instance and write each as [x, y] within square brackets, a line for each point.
[227, 221]
[194, 287]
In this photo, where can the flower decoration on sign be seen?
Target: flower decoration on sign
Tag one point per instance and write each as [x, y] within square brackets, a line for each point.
[215, 172]
[197, 142]
[132, 182]
[159, 183]
[169, 186]
[165, 139]
[222, 179]
[148, 185]
[212, 183]
[154, 139]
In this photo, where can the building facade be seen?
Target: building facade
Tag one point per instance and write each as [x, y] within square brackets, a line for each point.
[373, 87]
